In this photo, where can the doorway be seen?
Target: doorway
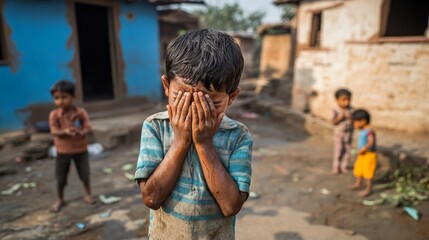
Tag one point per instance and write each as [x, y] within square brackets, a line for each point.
[95, 53]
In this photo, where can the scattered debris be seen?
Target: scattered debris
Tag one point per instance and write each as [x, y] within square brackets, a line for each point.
[19, 160]
[81, 226]
[107, 170]
[140, 222]
[324, 191]
[350, 232]
[108, 200]
[295, 177]
[127, 167]
[29, 185]
[12, 189]
[374, 202]
[52, 152]
[129, 176]
[28, 169]
[254, 195]
[310, 190]
[412, 212]
[95, 149]
[106, 214]
[410, 184]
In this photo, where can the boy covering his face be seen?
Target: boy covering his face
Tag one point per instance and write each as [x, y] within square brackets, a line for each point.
[194, 166]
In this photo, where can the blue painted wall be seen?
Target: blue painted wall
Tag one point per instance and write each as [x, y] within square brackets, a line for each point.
[40, 31]
[140, 48]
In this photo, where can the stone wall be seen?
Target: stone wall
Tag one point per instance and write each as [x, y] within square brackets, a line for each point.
[388, 76]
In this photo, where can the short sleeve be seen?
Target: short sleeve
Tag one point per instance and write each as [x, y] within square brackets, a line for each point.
[151, 152]
[240, 164]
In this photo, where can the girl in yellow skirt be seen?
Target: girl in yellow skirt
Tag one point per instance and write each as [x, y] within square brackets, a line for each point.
[366, 161]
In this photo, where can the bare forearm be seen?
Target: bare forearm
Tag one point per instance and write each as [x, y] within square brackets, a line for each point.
[59, 133]
[159, 185]
[223, 188]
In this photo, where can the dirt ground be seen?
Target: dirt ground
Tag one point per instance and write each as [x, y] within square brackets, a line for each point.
[299, 198]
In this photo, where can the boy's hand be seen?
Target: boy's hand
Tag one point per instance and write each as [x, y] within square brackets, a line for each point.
[205, 121]
[180, 117]
[71, 131]
[362, 151]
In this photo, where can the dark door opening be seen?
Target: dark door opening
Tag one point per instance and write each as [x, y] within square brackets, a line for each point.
[94, 49]
[407, 18]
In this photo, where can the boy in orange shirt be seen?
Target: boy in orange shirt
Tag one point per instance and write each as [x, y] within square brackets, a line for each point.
[69, 125]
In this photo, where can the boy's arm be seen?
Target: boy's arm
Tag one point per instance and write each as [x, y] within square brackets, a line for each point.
[86, 123]
[222, 186]
[159, 185]
[161, 182]
[54, 127]
[337, 118]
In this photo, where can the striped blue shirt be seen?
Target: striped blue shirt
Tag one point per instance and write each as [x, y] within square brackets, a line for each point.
[191, 200]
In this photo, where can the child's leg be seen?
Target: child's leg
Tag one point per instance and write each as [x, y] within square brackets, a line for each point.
[357, 185]
[62, 166]
[369, 171]
[82, 166]
[347, 145]
[368, 188]
[338, 148]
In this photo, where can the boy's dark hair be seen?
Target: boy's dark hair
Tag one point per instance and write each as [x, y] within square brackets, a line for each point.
[207, 56]
[360, 114]
[63, 86]
[342, 92]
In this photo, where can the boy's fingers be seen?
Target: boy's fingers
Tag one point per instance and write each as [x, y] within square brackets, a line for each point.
[198, 108]
[179, 109]
[212, 106]
[194, 114]
[205, 106]
[176, 102]
[188, 119]
[185, 108]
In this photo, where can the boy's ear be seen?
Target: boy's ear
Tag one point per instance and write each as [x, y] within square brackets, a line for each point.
[165, 84]
[233, 95]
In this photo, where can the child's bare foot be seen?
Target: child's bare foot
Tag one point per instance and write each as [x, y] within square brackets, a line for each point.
[344, 170]
[89, 199]
[56, 207]
[355, 187]
[335, 172]
[364, 193]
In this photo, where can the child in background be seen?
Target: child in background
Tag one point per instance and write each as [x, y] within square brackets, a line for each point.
[343, 131]
[69, 125]
[194, 167]
[366, 162]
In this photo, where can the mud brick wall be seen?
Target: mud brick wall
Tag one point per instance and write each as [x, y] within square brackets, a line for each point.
[388, 76]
